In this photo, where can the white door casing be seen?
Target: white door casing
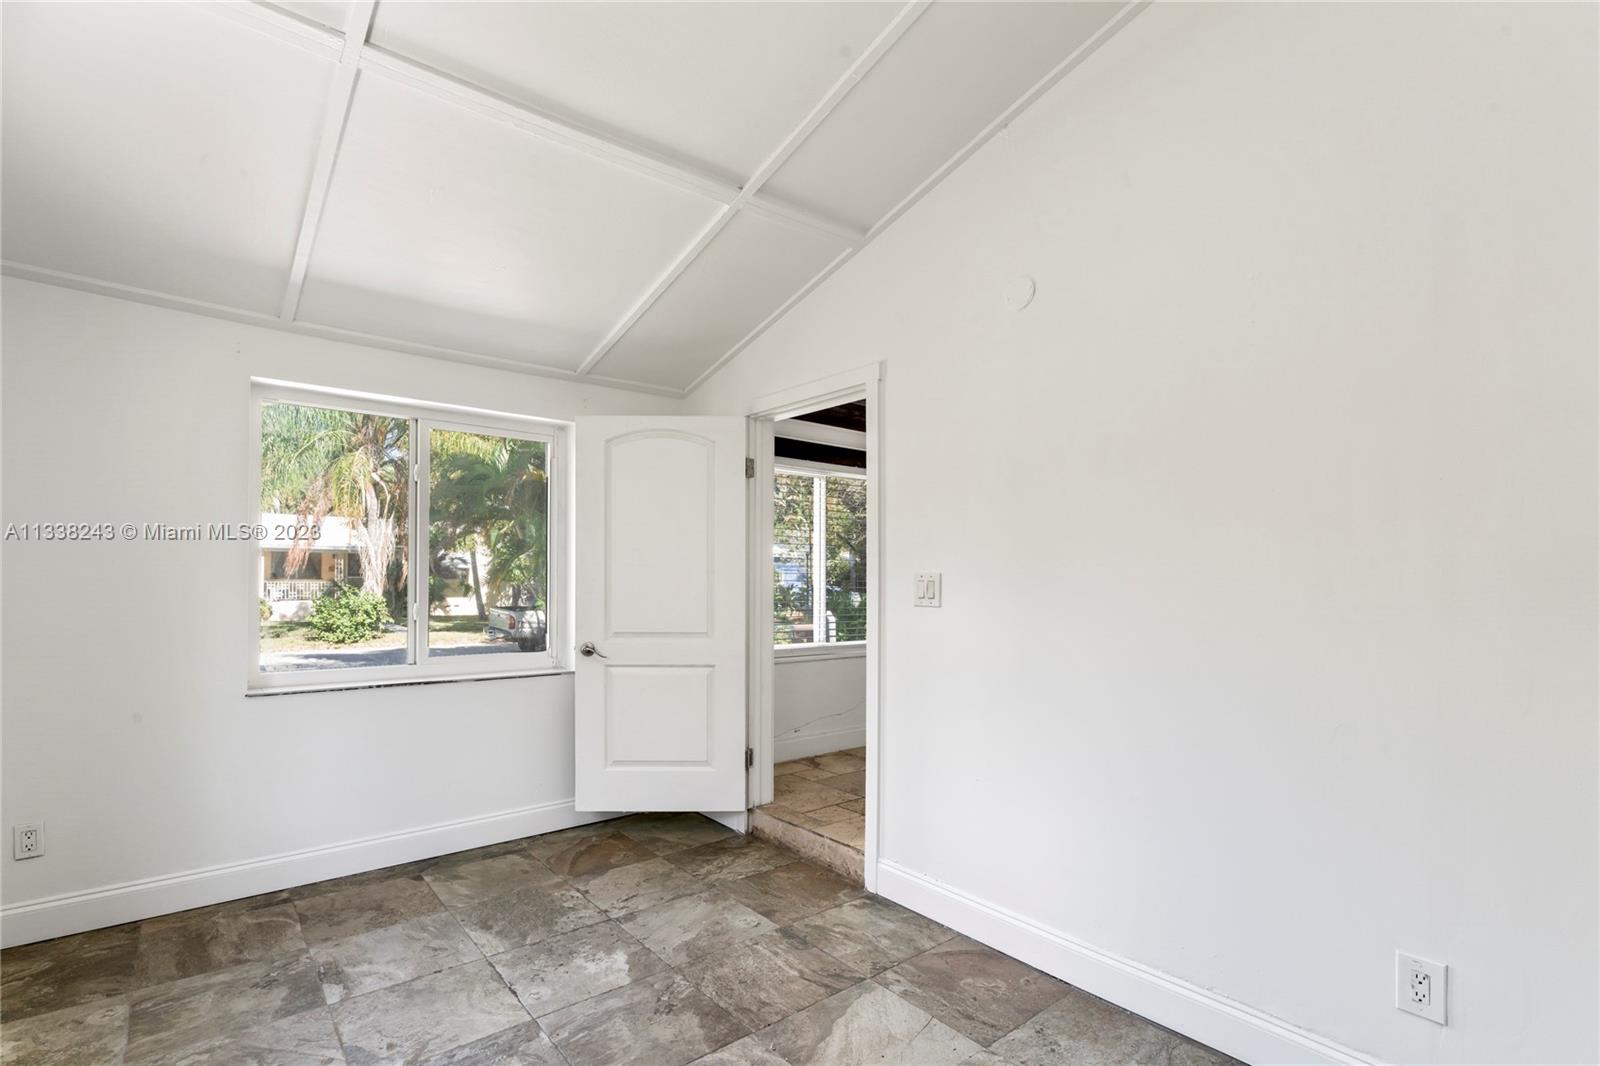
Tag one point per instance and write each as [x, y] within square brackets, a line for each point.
[660, 593]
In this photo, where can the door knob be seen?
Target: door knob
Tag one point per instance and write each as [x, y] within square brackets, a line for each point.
[589, 649]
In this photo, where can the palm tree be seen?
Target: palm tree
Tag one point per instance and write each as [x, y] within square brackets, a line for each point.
[491, 494]
[316, 461]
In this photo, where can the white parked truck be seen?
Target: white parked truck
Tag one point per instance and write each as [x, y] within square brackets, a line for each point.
[525, 625]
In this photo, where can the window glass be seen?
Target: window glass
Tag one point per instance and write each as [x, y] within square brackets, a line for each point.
[819, 560]
[845, 557]
[334, 484]
[793, 527]
[488, 512]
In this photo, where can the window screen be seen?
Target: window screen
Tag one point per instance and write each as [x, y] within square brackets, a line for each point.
[819, 558]
[793, 529]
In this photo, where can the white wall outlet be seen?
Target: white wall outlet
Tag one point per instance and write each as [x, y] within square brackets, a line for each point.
[27, 841]
[1419, 986]
[928, 591]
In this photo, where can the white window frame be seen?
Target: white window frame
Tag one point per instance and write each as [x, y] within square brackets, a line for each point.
[835, 649]
[421, 667]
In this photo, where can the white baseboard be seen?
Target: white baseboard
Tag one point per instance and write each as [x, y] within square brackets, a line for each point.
[75, 912]
[1213, 1020]
[808, 744]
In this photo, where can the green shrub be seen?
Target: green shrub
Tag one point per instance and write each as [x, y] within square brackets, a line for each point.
[347, 615]
[266, 610]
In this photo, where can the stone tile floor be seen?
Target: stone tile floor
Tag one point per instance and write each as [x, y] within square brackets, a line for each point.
[825, 794]
[659, 940]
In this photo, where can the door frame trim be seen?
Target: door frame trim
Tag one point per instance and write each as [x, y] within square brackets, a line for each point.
[866, 383]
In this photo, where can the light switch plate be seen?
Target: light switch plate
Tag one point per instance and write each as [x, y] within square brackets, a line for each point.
[929, 590]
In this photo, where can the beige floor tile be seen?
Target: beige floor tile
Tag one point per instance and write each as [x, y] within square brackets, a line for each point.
[527, 916]
[972, 988]
[636, 886]
[55, 974]
[1084, 1029]
[365, 907]
[597, 853]
[521, 1045]
[838, 813]
[802, 768]
[853, 833]
[806, 796]
[462, 883]
[659, 1021]
[760, 938]
[666, 833]
[428, 1016]
[214, 938]
[839, 762]
[745, 1052]
[872, 934]
[392, 955]
[196, 1016]
[866, 1024]
[791, 892]
[766, 979]
[548, 844]
[91, 1032]
[854, 783]
[569, 969]
[686, 929]
[728, 859]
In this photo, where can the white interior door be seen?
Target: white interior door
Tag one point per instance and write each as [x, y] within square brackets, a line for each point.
[660, 556]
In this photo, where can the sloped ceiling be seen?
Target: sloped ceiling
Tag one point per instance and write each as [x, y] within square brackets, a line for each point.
[623, 192]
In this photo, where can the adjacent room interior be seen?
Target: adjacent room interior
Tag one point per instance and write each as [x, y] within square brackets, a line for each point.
[818, 701]
[799, 534]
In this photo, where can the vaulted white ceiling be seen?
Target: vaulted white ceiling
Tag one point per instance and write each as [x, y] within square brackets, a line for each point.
[627, 192]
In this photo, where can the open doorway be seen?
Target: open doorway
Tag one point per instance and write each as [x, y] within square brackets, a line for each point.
[816, 599]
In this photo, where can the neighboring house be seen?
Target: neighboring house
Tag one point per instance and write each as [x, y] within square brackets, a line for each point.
[332, 560]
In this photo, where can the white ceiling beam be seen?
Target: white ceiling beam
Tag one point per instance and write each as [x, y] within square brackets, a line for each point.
[358, 21]
[818, 433]
[662, 284]
[575, 135]
[226, 313]
[285, 25]
[277, 23]
[886, 39]
[1117, 21]
[746, 197]
[551, 127]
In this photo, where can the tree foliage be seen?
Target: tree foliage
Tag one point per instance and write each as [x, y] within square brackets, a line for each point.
[489, 496]
[846, 556]
[843, 581]
[792, 517]
[317, 461]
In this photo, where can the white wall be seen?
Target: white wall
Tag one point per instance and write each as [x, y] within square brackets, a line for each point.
[125, 724]
[1278, 507]
[819, 703]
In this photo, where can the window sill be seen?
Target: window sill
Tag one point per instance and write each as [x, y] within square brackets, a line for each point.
[786, 653]
[346, 686]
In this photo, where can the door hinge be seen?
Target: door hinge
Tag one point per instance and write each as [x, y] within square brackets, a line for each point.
[749, 467]
[749, 758]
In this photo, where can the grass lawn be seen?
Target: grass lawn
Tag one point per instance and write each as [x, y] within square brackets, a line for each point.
[444, 631]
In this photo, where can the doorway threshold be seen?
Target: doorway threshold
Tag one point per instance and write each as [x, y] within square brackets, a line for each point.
[818, 810]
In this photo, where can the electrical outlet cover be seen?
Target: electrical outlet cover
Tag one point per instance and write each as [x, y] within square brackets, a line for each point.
[1419, 986]
[27, 840]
